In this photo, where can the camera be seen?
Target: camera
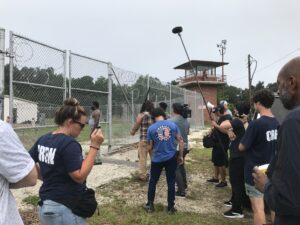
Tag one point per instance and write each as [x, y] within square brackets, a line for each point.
[186, 111]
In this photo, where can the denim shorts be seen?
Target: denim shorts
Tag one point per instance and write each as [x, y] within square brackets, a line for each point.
[251, 191]
[53, 213]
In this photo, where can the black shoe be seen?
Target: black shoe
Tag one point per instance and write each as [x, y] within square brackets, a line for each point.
[172, 210]
[233, 215]
[212, 180]
[98, 163]
[221, 184]
[149, 208]
[180, 194]
[228, 203]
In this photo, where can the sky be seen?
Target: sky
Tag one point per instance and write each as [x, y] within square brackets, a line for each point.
[136, 35]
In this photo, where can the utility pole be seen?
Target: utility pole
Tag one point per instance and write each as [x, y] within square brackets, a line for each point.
[222, 49]
[250, 78]
[2, 66]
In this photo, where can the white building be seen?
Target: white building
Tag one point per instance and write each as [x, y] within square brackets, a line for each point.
[23, 110]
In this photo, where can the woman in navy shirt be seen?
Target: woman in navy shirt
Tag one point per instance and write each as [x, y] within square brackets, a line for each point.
[61, 164]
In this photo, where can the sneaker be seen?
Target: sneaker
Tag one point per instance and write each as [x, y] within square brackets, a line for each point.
[233, 215]
[149, 208]
[228, 203]
[212, 180]
[180, 194]
[172, 210]
[221, 184]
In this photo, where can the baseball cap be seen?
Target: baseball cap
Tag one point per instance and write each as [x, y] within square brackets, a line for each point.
[220, 108]
[223, 102]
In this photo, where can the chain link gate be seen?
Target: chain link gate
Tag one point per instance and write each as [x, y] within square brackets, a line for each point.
[89, 82]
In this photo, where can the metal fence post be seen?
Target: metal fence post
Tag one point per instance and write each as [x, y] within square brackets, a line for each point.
[148, 85]
[195, 107]
[109, 105]
[66, 69]
[202, 112]
[132, 108]
[70, 73]
[2, 65]
[170, 108]
[11, 71]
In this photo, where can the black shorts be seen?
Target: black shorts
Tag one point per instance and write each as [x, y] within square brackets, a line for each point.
[219, 157]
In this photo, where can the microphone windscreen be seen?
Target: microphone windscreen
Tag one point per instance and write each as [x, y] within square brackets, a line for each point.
[177, 30]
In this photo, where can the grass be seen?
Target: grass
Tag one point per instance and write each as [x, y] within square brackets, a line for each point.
[127, 196]
[29, 136]
[122, 200]
[31, 200]
[120, 214]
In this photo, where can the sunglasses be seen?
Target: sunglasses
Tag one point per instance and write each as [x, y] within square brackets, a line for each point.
[80, 124]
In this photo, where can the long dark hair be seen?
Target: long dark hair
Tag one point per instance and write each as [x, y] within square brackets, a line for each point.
[147, 106]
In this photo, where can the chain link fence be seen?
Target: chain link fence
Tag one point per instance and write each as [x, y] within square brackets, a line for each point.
[39, 77]
[37, 81]
[136, 88]
[89, 82]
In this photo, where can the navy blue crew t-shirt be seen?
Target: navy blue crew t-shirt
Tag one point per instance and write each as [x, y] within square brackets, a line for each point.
[260, 141]
[58, 155]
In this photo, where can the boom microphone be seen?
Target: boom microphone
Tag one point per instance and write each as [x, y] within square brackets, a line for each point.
[177, 30]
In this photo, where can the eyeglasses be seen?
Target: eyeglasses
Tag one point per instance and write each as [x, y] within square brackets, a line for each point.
[80, 124]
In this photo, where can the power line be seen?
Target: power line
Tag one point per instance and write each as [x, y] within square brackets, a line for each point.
[271, 64]
[239, 78]
[278, 60]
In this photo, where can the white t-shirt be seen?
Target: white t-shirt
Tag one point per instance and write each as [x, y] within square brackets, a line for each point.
[15, 164]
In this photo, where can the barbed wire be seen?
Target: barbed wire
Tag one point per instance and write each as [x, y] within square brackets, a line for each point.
[23, 52]
[125, 76]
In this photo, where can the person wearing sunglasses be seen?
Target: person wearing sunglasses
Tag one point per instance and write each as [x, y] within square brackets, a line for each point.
[62, 167]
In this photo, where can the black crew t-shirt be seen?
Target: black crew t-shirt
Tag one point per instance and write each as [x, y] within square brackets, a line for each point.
[260, 141]
[239, 131]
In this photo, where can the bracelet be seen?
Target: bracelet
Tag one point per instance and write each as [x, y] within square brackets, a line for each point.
[91, 146]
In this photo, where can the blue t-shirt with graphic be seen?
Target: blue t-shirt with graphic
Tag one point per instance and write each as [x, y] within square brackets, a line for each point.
[163, 135]
[260, 141]
[58, 155]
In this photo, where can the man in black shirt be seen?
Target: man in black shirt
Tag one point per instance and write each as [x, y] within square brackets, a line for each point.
[259, 144]
[235, 129]
[282, 189]
[219, 151]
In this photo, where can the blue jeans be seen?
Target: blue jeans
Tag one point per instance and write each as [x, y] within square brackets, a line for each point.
[155, 171]
[53, 213]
